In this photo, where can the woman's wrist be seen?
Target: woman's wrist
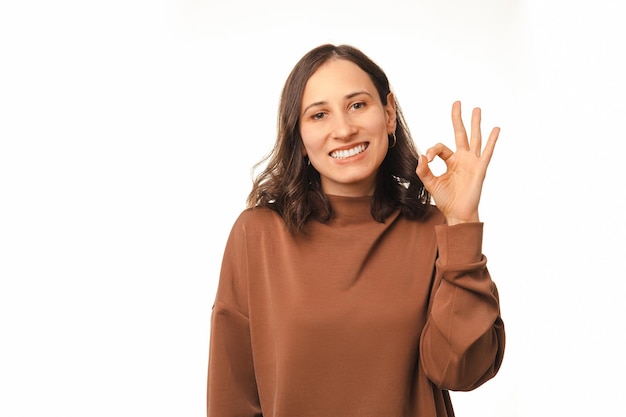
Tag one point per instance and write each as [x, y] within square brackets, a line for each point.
[451, 221]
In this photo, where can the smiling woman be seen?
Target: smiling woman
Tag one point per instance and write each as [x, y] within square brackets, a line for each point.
[345, 129]
[343, 290]
[311, 108]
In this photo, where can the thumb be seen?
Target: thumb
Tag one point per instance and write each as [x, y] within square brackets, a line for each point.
[423, 171]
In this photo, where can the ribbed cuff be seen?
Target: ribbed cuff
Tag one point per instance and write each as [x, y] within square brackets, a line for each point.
[460, 244]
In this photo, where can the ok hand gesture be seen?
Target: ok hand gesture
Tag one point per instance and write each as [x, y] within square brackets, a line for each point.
[457, 191]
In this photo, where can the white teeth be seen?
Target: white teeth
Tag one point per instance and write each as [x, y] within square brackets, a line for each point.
[346, 153]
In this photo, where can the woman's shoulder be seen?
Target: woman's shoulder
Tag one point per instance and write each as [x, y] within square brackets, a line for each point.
[432, 216]
[257, 219]
[436, 215]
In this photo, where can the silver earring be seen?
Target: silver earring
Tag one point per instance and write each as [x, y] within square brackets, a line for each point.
[393, 135]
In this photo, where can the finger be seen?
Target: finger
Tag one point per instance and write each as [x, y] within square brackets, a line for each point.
[424, 173]
[460, 136]
[476, 138]
[491, 144]
[440, 150]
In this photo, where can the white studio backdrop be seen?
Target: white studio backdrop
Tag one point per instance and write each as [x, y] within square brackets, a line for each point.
[128, 130]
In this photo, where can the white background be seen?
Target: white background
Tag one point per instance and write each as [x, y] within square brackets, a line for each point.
[128, 130]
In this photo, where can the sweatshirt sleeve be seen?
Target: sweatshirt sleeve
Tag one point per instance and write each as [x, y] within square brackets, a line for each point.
[231, 386]
[462, 344]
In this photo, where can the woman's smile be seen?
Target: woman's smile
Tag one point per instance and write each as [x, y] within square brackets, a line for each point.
[345, 153]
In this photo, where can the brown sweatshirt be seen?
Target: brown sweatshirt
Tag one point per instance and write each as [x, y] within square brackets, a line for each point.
[354, 319]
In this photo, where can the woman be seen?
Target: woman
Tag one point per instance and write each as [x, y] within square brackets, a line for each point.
[344, 292]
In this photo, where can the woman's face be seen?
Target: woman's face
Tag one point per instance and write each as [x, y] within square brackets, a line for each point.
[344, 127]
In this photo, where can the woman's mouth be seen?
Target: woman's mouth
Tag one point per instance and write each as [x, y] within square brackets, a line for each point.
[347, 153]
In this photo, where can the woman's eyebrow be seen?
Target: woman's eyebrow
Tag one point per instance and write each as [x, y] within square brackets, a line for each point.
[348, 96]
[352, 95]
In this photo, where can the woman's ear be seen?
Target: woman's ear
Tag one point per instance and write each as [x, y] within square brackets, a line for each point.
[390, 112]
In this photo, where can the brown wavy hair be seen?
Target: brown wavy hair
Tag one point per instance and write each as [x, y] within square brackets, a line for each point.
[291, 186]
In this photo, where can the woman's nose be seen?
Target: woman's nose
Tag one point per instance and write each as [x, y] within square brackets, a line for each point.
[343, 127]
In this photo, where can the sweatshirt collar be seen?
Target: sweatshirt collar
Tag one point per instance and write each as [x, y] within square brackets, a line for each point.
[350, 210]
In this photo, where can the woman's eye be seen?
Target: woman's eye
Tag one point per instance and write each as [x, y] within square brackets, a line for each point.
[359, 105]
[318, 116]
